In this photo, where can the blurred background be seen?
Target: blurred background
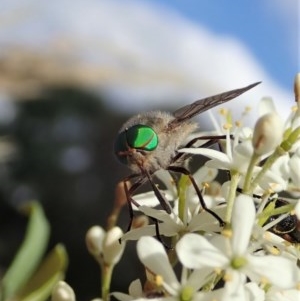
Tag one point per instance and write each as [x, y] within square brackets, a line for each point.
[71, 72]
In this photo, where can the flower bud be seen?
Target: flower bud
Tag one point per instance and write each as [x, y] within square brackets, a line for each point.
[267, 133]
[112, 247]
[62, 292]
[94, 240]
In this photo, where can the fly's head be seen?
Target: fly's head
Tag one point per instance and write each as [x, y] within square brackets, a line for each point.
[146, 142]
[133, 145]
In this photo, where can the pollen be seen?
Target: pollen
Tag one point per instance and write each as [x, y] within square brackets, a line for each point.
[227, 277]
[238, 123]
[227, 233]
[274, 251]
[298, 286]
[159, 280]
[294, 108]
[227, 126]
[205, 185]
[223, 111]
[267, 236]
[218, 271]
[264, 281]
[273, 187]
[248, 109]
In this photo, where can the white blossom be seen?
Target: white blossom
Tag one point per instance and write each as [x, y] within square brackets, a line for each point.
[232, 255]
[62, 292]
[105, 246]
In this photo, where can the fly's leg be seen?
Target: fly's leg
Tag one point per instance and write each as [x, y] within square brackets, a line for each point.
[129, 192]
[184, 171]
[211, 141]
[161, 198]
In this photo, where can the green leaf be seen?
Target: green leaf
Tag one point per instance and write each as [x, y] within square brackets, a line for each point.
[29, 254]
[52, 269]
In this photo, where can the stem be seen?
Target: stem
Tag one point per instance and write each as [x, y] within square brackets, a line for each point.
[266, 214]
[106, 280]
[231, 195]
[252, 164]
[279, 151]
[182, 186]
[209, 286]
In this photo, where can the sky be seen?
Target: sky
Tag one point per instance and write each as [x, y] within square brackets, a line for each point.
[269, 28]
[150, 53]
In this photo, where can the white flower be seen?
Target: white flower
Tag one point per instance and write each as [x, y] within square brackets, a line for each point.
[171, 225]
[62, 292]
[275, 294]
[194, 218]
[105, 246]
[135, 291]
[267, 133]
[236, 157]
[153, 256]
[232, 255]
[203, 174]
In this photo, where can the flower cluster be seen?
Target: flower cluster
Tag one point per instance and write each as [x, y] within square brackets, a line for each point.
[255, 255]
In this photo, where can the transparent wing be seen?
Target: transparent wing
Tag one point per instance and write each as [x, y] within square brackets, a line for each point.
[204, 104]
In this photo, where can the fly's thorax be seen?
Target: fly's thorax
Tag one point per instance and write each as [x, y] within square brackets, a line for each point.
[155, 119]
[146, 141]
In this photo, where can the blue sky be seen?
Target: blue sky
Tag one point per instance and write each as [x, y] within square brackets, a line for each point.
[270, 28]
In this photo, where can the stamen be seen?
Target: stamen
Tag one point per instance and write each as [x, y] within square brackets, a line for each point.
[274, 251]
[294, 108]
[227, 277]
[159, 280]
[205, 185]
[227, 233]
[238, 123]
[264, 281]
[248, 109]
[223, 111]
[227, 126]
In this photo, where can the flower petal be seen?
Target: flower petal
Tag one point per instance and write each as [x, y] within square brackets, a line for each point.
[168, 181]
[243, 216]
[194, 251]
[205, 221]
[266, 106]
[112, 248]
[205, 174]
[158, 214]
[153, 256]
[135, 234]
[210, 153]
[198, 278]
[235, 286]
[135, 288]
[150, 199]
[279, 271]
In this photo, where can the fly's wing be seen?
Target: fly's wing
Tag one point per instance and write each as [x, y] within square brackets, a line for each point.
[204, 104]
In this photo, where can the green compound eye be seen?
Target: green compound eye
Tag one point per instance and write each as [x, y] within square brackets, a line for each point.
[138, 137]
[142, 137]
